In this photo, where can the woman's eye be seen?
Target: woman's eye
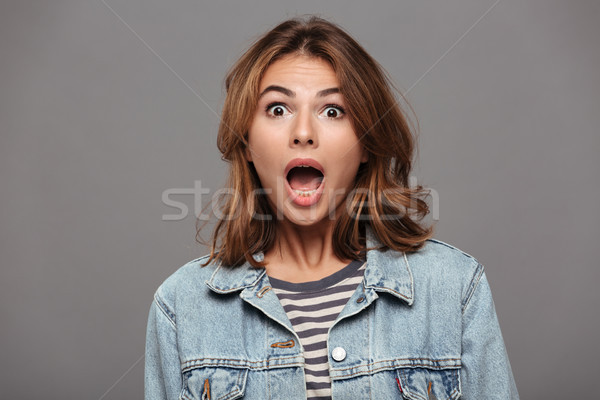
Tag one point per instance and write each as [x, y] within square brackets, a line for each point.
[276, 110]
[333, 111]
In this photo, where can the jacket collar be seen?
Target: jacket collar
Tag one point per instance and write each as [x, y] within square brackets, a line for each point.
[386, 271]
[231, 279]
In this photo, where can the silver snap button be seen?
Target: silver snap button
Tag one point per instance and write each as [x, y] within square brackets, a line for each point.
[338, 354]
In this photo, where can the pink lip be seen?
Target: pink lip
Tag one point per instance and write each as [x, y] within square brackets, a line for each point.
[296, 162]
[301, 200]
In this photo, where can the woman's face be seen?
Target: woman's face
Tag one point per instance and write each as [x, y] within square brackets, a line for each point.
[301, 142]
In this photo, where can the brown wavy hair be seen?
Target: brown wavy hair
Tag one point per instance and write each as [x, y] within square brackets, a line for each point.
[381, 196]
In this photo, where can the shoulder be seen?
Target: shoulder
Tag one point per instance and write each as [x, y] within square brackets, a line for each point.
[189, 279]
[440, 265]
[442, 257]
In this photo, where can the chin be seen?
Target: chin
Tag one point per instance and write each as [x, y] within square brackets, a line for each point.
[306, 217]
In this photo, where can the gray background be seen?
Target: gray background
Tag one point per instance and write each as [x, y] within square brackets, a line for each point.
[105, 105]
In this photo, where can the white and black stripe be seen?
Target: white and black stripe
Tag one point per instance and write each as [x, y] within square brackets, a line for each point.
[312, 307]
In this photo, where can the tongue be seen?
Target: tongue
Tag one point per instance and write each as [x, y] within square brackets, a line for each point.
[304, 178]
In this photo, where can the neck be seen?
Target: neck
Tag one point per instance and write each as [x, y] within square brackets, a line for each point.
[303, 253]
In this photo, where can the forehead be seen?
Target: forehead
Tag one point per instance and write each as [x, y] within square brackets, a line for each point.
[299, 70]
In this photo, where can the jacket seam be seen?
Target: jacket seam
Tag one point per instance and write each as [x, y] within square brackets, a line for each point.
[253, 367]
[199, 259]
[389, 367]
[412, 283]
[236, 359]
[165, 310]
[370, 344]
[230, 362]
[210, 283]
[472, 287]
[437, 361]
[452, 248]
[388, 290]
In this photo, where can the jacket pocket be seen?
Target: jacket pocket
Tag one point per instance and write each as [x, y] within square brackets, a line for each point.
[429, 384]
[209, 383]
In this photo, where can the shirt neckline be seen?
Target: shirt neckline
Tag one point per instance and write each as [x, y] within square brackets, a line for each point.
[328, 281]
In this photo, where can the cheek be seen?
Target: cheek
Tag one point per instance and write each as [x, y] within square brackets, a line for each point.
[351, 163]
[267, 165]
[348, 152]
[264, 141]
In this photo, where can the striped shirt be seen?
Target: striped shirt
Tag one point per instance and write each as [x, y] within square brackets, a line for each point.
[312, 308]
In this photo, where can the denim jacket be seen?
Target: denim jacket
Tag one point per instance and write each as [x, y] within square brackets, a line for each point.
[420, 326]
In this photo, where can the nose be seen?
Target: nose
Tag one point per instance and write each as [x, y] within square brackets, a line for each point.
[303, 130]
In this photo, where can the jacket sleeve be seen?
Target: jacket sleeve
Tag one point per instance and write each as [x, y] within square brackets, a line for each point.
[162, 367]
[486, 372]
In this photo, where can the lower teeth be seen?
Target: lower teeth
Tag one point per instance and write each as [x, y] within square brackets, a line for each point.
[306, 193]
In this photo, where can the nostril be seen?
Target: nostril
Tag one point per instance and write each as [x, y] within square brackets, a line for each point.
[298, 141]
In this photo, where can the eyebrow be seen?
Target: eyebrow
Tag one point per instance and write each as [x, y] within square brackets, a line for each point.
[290, 93]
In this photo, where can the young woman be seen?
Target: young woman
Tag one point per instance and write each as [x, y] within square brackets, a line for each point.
[321, 282]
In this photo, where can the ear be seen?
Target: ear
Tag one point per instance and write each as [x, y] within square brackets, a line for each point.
[365, 155]
[248, 153]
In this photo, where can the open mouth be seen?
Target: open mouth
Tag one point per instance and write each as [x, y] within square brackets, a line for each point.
[304, 180]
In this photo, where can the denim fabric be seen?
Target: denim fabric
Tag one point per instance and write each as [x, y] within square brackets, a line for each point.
[421, 326]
